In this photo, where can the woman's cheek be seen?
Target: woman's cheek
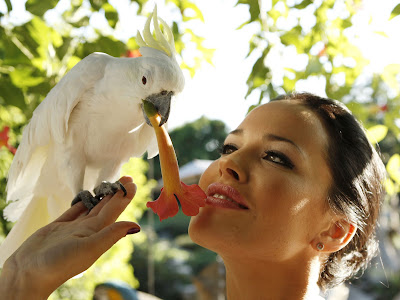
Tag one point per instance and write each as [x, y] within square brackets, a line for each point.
[209, 176]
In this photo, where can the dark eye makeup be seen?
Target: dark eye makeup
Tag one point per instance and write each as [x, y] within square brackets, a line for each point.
[273, 156]
[279, 158]
[227, 149]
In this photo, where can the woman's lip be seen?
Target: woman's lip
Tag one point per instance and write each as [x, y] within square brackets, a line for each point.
[227, 191]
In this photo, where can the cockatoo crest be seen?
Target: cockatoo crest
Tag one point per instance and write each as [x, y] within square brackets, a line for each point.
[163, 42]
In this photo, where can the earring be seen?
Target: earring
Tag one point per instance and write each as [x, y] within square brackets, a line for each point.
[320, 246]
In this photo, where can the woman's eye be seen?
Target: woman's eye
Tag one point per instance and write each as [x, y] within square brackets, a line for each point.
[228, 149]
[278, 158]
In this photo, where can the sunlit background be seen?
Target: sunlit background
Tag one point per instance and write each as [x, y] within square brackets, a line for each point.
[235, 54]
[217, 91]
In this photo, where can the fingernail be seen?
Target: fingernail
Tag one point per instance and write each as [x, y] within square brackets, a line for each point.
[133, 230]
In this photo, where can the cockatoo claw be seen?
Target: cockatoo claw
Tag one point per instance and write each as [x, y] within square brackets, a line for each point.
[104, 189]
[122, 188]
[108, 188]
[87, 198]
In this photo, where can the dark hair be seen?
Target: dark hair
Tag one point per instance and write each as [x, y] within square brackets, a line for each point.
[356, 192]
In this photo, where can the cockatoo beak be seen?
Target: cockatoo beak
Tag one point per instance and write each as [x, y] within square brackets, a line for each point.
[162, 102]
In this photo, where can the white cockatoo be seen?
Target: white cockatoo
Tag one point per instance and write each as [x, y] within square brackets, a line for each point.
[89, 124]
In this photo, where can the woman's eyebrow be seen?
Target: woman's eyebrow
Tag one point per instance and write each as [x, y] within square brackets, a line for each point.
[273, 137]
[236, 132]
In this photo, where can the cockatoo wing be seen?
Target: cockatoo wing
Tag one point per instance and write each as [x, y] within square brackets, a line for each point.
[49, 123]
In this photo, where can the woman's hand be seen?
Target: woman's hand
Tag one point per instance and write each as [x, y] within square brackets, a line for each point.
[66, 247]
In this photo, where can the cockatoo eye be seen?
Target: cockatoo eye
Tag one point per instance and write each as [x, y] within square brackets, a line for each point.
[144, 80]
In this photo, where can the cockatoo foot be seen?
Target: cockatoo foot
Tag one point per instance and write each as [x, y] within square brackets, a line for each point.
[108, 188]
[104, 189]
[87, 198]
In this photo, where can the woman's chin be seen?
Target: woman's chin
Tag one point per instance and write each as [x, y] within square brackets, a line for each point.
[196, 226]
[208, 230]
[201, 228]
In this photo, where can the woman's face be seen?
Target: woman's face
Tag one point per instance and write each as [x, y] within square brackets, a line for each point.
[267, 193]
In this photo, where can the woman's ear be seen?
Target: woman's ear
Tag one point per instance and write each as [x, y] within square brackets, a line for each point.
[336, 237]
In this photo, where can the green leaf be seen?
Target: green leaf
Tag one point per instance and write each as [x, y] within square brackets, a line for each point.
[10, 94]
[9, 5]
[62, 50]
[288, 84]
[132, 44]
[390, 187]
[106, 44]
[303, 4]
[84, 21]
[10, 53]
[254, 8]
[390, 74]
[314, 66]
[395, 12]
[22, 38]
[376, 133]
[193, 7]
[140, 3]
[39, 7]
[42, 88]
[111, 14]
[73, 61]
[26, 76]
[97, 4]
[175, 31]
[273, 14]
[260, 75]
[393, 167]
[346, 23]
[243, 24]
[294, 37]
[382, 33]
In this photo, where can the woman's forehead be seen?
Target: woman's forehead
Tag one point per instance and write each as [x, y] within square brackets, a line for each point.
[289, 119]
[285, 112]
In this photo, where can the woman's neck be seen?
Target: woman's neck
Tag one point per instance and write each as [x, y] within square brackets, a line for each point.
[249, 279]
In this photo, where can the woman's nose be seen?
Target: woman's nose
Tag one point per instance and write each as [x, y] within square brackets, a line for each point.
[231, 168]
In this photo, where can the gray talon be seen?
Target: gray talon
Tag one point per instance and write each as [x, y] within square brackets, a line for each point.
[122, 188]
[104, 189]
[87, 198]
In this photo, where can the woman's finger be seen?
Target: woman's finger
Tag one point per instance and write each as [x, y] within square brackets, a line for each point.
[116, 205]
[95, 211]
[72, 213]
[126, 180]
[103, 240]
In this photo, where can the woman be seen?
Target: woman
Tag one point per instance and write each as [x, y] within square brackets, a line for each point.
[293, 200]
[292, 206]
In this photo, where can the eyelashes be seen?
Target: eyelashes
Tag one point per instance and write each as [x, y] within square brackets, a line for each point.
[279, 158]
[227, 149]
[273, 156]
